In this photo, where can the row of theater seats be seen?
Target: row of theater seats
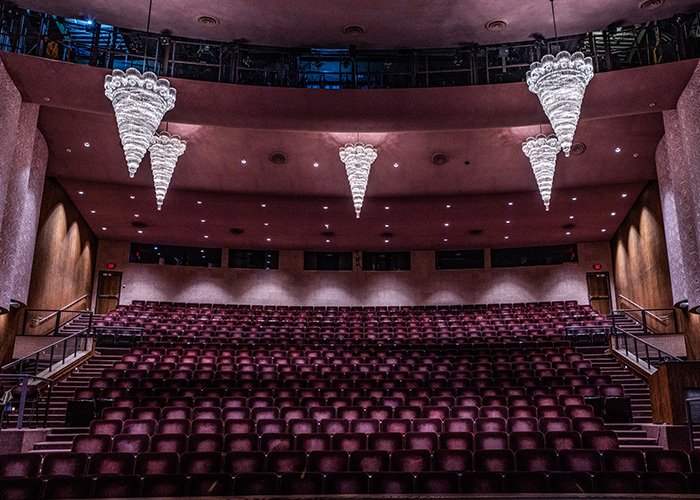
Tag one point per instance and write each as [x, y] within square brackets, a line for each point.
[353, 483]
[368, 461]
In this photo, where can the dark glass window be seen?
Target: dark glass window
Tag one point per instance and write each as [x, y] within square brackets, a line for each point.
[459, 259]
[533, 256]
[170, 255]
[254, 259]
[328, 261]
[386, 261]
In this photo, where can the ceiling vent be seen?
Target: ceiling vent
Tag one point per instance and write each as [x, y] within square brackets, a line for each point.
[278, 158]
[496, 25]
[236, 230]
[328, 234]
[138, 224]
[578, 149]
[475, 232]
[650, 4]
[208, 20]
[439, 159]
[569, 226]
[387, 235]
[354, 29]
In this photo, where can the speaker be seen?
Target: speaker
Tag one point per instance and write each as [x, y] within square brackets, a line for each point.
[80, 412]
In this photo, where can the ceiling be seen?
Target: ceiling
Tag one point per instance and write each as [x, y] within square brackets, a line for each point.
[388, 24]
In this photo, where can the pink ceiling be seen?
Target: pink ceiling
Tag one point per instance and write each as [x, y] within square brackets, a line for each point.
[388, 24]
[224, 124]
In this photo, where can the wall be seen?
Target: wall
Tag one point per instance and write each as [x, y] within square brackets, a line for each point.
[290, 285]
[639, 255]
[64, 256]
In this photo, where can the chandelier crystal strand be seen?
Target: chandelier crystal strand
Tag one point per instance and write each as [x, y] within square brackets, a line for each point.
[358, 160]
[164, 149]
[140, 101]
[542, 151]
[560, 83]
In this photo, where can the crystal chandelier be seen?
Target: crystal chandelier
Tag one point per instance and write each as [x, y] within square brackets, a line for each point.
[165, 150]
[358, 160]
[542, 151]
[139, 101]
[560, 82]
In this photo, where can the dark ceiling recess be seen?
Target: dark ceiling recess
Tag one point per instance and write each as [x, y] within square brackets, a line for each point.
[475, 232]
[138, 224]
[467, 162]
[387, 235]
[328, 234]
[208, 20]
[578, 149]
[440, 158]
[650, 4]
[278, 158]
[236, 230]
[571, 225]
[496, 25]
[354, 29]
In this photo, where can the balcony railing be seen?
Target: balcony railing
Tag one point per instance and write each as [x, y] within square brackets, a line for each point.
[88, 42]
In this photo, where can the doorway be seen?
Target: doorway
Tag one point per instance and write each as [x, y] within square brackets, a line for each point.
[599, 292]
[109, 285]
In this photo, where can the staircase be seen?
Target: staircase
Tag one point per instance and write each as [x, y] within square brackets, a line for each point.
[76, 325]
[628, 324]
[633, 435]
[61, 437]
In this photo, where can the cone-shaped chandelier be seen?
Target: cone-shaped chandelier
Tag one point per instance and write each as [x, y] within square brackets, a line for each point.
[542, 152]
[139, 101]
[164, 149]
[560, 83]
[358, 160]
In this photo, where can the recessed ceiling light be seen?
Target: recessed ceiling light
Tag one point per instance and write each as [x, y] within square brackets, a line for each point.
[568, 233]
[327, 226]
[636, 155]
[86, 144]
[506, 237]
[202, 251]
[603, 230]
[386, 241]
[396, 165]
[92, 211]
[47, 99]
[510, 203]
[206, 236]
[571, 216]
[132, 197]
[268, 239]
[140, 231]
[266, 224]
[316, 164]
[244, 161]
[263, 205]
[136, 215]
[624, 195]
[574, 198]
[386, 207]
[328, 241]
[386, 226]
[652, 104]
[618, 149]
[69, 150]
[447, 224]
[199, 202]
[445, 240]
[81, 192]
[325, 207]
[104, 228]
[448, 206]
[203, 220]
[613, 214]
[507, 222]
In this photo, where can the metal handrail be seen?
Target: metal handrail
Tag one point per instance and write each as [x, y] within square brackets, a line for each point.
[663, 319]
[23, 379]
[691, 421]
[35, 356]
[39, 321]
[660, 355]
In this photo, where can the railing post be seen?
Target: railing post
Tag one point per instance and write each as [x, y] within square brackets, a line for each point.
[57, 325]
[51, 358]
[63, 360]
[22, 402]
[644, 322]
[89, 329]
[646, 350]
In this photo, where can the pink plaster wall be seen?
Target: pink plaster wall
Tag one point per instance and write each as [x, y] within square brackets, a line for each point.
[290, 285]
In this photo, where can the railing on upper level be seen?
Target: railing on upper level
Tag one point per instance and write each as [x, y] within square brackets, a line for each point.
[652, 321]
[51, 357]
[692, 413]
[89, 42]
[50, 321]
[643, 353]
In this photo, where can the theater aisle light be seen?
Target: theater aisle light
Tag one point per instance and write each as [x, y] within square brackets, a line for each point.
[164, 149]
[542, 152]
[560, 82]
[358, 159]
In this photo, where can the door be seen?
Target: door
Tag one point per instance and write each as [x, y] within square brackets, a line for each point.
[109, 285]
[599, 292]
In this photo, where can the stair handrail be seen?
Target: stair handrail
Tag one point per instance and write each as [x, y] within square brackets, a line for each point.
[662, 319]
[692, 417]
[39, 321]
[8, 396]
[19, 365]
[660, 355]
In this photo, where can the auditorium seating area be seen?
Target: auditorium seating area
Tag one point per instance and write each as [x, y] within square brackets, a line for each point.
[248, 400]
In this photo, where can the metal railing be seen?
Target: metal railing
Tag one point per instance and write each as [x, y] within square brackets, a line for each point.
[642, 352]
[37, 322]
[51, 357]
[650, 322]
[692, 413]
[89, 42]
[22, 397]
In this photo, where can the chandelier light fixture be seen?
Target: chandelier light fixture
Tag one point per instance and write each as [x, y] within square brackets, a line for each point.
[560, 82]
[542, 151]
[164, 149]
[358, 159]
[140, 101]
